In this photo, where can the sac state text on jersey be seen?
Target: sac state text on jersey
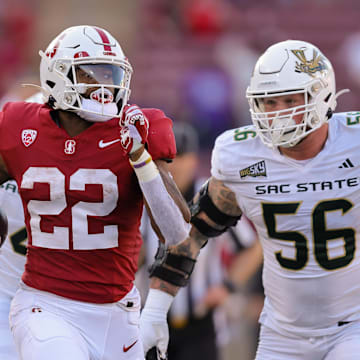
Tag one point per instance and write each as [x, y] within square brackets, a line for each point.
[307, 186]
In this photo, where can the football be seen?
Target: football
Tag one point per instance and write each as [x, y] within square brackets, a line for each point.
[3, 226]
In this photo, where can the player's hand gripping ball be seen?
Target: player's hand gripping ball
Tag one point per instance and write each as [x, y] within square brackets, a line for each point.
[3, 226]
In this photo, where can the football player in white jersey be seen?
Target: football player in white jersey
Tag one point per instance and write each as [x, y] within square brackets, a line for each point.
[295, 174]
[12, 256]
[12, 261]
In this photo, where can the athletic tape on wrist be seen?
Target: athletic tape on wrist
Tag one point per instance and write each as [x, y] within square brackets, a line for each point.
[144, 167]
[158, 300]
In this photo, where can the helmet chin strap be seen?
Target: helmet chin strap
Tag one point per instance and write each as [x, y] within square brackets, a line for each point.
[341, 92]
[92, 110]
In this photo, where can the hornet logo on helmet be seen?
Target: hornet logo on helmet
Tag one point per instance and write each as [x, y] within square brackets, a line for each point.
[28, 136]
[309, 67]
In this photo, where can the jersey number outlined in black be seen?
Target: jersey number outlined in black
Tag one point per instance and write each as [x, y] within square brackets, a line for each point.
[18, 241]
[321, 234]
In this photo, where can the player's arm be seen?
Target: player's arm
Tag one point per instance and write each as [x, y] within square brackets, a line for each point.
[172, 189]
[214, 209]
[4, 176]
[174, 193]
[168, 211]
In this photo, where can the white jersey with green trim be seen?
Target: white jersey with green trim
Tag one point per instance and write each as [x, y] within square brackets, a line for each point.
[307, 215]
[12, 253]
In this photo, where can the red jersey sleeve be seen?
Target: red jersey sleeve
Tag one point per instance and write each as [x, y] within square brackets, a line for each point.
[161, 139]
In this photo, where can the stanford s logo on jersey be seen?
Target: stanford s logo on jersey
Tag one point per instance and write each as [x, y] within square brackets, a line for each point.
[28, 136]
[69, 147]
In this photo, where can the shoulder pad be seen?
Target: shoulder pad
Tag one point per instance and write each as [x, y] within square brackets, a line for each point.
[161, 139]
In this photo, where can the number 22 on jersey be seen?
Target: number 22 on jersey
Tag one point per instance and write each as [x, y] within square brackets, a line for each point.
[59, 238]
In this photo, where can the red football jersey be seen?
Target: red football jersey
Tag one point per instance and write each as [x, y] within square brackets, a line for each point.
[82, 201]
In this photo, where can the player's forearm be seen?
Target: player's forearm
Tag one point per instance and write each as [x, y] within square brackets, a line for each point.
[189, 248]
[170, 185]
[173, 190]
[4, 174]
[173, 267]
[167, 217]
[159, 284]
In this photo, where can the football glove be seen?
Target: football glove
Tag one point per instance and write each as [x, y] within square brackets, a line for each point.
[154, 330]
[134, 128]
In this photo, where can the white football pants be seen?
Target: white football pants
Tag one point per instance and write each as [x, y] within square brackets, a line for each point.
[46, 326]
[7, 346]
[343, 345]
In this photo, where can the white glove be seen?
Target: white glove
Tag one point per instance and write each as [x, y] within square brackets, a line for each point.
[154, 330]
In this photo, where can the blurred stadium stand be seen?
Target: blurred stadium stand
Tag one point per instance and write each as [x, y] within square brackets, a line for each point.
[167, 46]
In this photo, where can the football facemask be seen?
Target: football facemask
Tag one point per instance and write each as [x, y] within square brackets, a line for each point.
[97, 90]
[82, 70]
[291, 67]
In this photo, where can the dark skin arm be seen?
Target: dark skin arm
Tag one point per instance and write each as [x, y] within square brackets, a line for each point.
[4, 176]
[225, 200]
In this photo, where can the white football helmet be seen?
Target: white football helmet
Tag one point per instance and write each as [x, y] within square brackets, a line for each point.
[291, 67]
[99, 56]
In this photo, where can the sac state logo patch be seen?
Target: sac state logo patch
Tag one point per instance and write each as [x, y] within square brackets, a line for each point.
[258, 169]
[28, 136]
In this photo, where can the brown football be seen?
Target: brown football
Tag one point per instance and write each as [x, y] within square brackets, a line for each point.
[3, 226]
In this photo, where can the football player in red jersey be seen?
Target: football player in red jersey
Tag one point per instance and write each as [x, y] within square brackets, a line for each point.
[84, 162]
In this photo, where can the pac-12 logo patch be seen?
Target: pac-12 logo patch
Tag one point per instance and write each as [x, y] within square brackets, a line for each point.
[28, 136]
[258, 169]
